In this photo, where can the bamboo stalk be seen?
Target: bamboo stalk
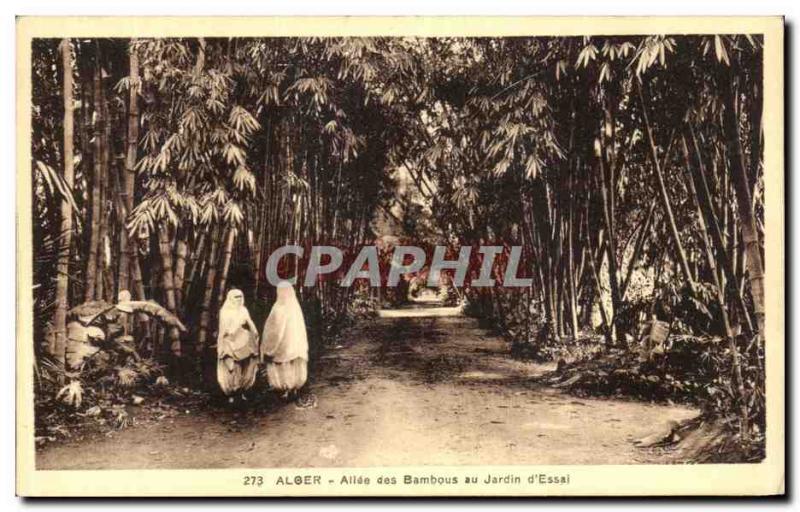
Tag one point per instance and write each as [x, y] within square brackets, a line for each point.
[741, 184]
[90, 292]
[663, 194]
[719, 295]
[208, 293]
[168, 283]
[226, 263]
[103, 291]
[57, 342]
[694, 164]
[181, 250]
[130, 272]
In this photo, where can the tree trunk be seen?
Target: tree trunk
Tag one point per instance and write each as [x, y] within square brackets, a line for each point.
[198, 252]
[608, 327]
[208, 293]
[168, 283]
[90, 292]
[719, 293]
[573, 294]
[637, 249]
[611, 252]
[663, 195]
[128, 254]
[57, 345]
[696, 169]
[741, 184]
[123, 273]
[102, 285]
[130, 179]
[226, 263]
[181, 250]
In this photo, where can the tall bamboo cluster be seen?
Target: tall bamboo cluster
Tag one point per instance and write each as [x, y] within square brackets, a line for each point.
[196, 158]
[629, 168]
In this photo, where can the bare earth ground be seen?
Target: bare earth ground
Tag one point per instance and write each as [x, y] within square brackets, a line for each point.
[417, 386]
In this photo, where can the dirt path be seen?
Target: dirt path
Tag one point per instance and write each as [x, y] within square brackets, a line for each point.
[422, 385]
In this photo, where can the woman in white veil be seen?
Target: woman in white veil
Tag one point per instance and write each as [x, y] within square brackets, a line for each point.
[285, 343]
[237, 346]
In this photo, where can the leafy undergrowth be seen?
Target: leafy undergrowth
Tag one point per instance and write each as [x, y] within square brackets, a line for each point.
[109, 385]
[102, 411]
[620, 372]
[691, 370]
[705, 440]
[106, 383]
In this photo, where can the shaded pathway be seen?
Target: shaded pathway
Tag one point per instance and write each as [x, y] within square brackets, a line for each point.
[421, 385]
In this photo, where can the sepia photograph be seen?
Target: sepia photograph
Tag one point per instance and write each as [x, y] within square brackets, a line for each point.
[463, 263]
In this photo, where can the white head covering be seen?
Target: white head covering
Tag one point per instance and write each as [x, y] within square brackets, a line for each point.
[285, 336]
[233, 314]
[286, 294]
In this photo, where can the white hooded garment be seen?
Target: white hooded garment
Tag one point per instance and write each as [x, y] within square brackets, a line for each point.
[285, 335]
[237, 345]
[285, 341]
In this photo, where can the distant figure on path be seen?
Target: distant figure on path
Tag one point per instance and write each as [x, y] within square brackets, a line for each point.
[237, 346]
[285, 343]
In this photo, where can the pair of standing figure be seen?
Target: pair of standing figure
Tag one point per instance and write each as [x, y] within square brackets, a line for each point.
[283, 346]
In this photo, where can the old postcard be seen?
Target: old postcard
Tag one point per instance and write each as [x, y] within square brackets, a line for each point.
[400, 256]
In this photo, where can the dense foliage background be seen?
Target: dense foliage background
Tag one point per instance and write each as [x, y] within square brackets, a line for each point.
[630, 168]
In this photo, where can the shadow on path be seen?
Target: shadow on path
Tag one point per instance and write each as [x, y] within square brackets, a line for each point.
[421, 385]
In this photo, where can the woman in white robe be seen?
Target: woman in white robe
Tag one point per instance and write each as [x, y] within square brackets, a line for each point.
[285, 343]
[237, 346]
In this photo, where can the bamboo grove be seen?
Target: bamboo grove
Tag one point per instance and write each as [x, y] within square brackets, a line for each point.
[630, 169]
